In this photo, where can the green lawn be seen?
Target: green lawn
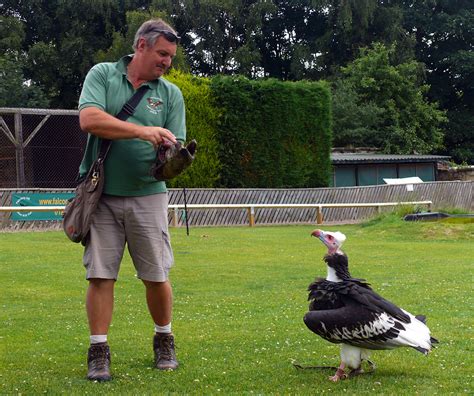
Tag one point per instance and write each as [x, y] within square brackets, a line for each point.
[240, 296]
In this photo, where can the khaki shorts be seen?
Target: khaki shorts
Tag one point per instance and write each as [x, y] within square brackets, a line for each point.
[141, 223]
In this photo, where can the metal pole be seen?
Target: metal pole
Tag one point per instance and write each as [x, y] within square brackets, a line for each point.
[186, 211]
[20, 157]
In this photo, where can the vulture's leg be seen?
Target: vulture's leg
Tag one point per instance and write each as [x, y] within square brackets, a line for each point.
[372, 365]
[340, 374]
[360, 370]
[357, 371]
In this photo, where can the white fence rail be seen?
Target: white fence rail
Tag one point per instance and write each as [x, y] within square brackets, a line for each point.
[274, 206]
[249, 207]
[319, 208]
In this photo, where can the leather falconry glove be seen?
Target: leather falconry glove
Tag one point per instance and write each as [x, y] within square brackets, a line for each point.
[172, 161]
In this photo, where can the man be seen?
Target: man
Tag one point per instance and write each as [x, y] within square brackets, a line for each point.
[133, 209]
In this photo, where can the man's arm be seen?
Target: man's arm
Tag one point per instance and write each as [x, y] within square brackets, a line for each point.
[98, 122]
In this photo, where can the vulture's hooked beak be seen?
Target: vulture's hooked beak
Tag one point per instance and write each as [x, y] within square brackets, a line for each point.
[333, 240]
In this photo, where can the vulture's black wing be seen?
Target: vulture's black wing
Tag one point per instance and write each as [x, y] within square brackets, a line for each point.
[358, 317]
[372, 300]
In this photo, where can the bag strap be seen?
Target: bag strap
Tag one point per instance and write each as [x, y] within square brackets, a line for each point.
[127, 110]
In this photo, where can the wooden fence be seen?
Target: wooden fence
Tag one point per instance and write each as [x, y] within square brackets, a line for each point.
[177, 209]
[452, 194]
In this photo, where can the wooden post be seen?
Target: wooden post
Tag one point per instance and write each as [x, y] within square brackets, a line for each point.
[174, 220]
[319, 215]
[251, 215]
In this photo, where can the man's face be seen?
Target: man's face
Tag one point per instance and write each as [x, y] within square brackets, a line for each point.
[156, 60]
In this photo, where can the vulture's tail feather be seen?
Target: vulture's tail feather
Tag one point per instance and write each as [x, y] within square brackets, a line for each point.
[424, 351]
[421, 318]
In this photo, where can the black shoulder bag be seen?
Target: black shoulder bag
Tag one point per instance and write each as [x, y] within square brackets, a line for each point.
[79, 210]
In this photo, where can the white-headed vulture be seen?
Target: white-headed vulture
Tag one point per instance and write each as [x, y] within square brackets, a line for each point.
[345, 310]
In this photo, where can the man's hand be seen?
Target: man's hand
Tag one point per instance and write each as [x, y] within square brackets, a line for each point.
[156, 136]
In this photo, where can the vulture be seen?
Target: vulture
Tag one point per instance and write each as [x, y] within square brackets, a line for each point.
[345, 310]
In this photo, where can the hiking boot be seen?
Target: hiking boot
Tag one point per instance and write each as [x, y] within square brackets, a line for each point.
[165, 356]
[98, 362]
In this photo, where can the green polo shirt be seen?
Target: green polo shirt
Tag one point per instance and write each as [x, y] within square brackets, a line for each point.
[128, 163]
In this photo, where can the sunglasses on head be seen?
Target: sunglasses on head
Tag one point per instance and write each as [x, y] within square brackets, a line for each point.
[170, 36]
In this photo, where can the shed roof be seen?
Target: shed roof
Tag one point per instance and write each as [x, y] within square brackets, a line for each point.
[367, 158]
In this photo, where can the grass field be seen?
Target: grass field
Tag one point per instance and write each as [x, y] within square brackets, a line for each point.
[240, 296]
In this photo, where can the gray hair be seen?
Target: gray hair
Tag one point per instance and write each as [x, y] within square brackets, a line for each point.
[151, 30]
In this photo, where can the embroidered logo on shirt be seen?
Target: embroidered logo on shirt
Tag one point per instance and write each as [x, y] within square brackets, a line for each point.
[154, 105]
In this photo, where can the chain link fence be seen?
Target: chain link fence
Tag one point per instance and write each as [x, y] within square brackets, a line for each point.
[40, 148]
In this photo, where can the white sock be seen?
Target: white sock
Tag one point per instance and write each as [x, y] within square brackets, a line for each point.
[98, 338]
[163, 329]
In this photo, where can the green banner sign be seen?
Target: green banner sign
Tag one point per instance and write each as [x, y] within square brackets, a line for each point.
[39, 199]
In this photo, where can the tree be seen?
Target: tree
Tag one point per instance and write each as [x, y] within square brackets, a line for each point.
[285, 39]
[61, 38]
[15, 89]
[219, 36]
[444, 32]
[353, 24]
[403, 121]
[355, 122]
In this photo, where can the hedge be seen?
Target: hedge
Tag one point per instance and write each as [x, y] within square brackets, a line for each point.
[256, 133]
[201, 123]
[273, 134]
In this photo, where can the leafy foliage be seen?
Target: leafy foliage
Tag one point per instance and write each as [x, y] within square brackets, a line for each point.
[201, 123]
[219, 36]
[402, 121]
[15, 91]
[283, 39]
[355, 120]
[273, 133]
[60, 41]
[444, 32]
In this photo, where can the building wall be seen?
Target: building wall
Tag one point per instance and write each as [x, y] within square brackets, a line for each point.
[373, 174]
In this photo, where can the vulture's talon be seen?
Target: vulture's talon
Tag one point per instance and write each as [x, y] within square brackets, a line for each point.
[340, 375]
[336, 378]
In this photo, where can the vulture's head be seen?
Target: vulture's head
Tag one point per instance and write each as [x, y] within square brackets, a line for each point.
[333, 240]
[336, 260]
